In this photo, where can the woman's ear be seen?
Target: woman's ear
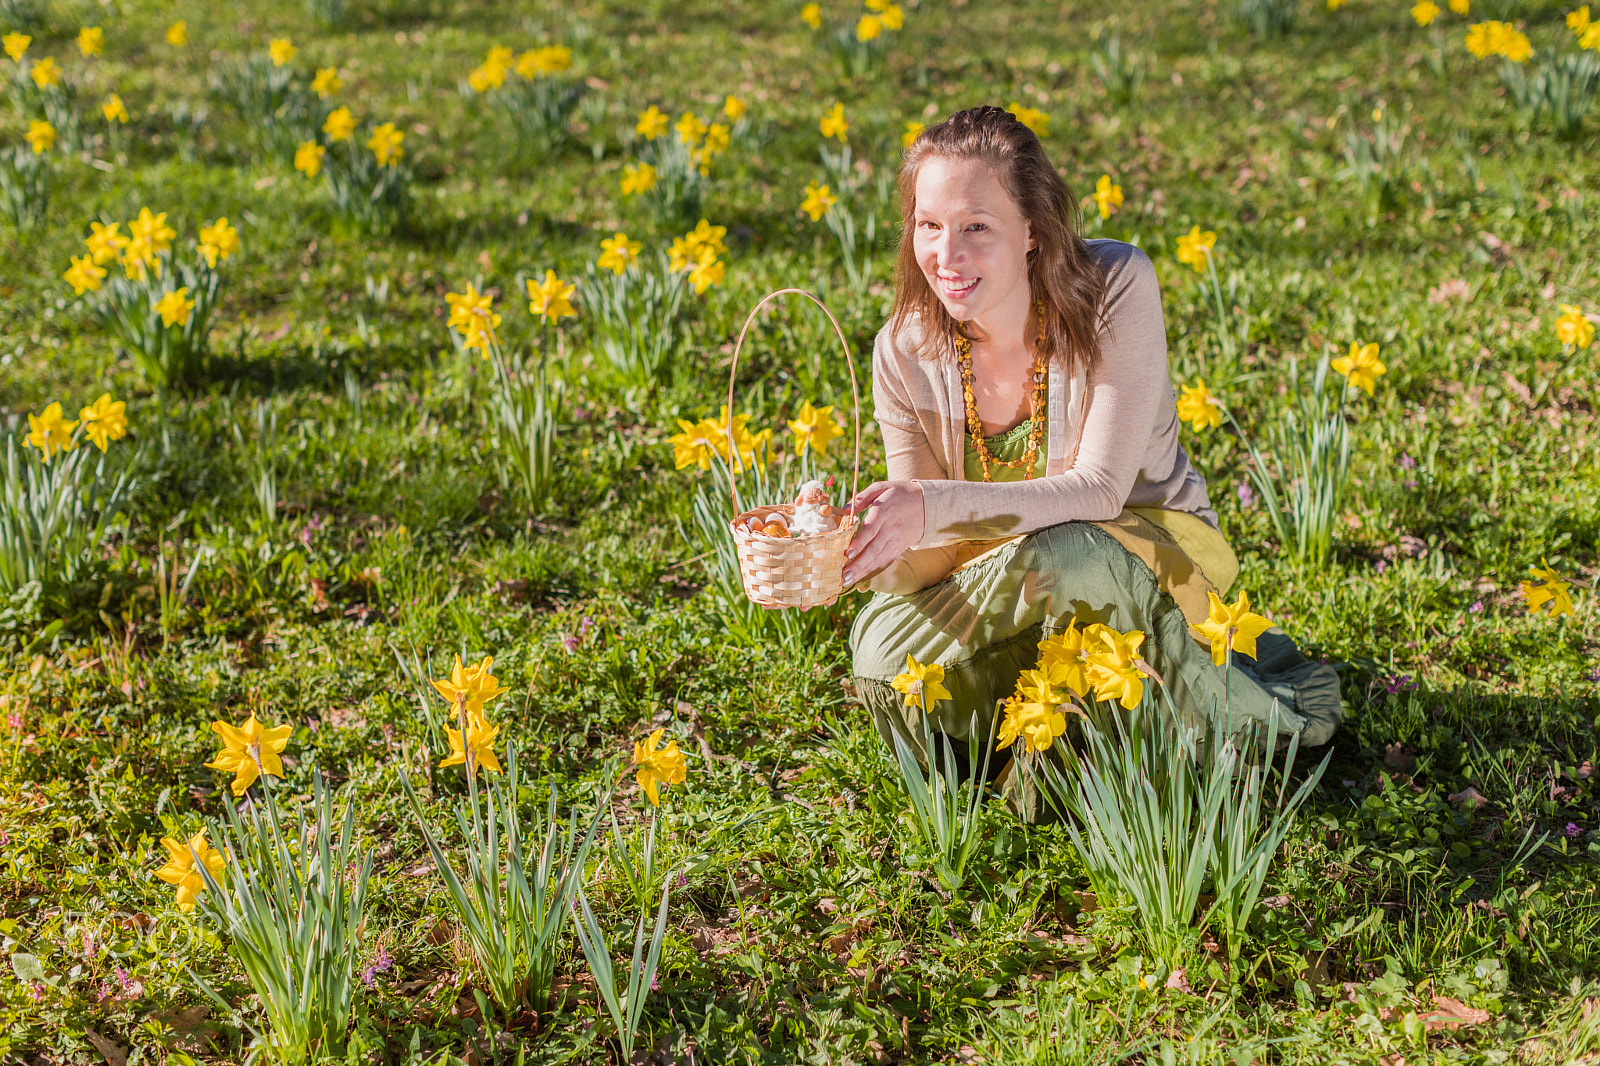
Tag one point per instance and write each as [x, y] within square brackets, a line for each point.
[1033, 245]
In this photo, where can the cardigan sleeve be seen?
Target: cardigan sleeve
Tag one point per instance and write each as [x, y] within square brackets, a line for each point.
[1129, 400]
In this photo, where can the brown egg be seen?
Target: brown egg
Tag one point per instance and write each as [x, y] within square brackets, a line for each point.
[776, 529]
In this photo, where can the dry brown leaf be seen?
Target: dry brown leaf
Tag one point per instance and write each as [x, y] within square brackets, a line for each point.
[1452, 1014]
[115, 1056]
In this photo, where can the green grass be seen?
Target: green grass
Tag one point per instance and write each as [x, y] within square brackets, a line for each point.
[800, 933]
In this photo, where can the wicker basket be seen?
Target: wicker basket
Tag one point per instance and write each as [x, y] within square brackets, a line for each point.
[793, 571]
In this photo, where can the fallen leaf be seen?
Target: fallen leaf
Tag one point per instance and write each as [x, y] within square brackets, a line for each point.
[1469, 795]
[114, 1054]
[1452, 1014]
[1178, 981]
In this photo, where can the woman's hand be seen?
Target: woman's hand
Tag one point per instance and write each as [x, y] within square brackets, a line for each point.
[891, 522]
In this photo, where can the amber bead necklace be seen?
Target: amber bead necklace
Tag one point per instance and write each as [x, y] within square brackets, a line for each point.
[1036, 403]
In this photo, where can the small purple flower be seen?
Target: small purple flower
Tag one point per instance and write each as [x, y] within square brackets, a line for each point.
[125, 980]
[570, 642]
[1409, 484]
[1247, 496]
[1476, 608]
[584, 625]
[683, 880]
[655, 983]
[36, 991]
[1398, 683]
[1406, 462]
[1381, 565]
[14, 720]
[381, 963]
[1573, 831]
[1594, 675]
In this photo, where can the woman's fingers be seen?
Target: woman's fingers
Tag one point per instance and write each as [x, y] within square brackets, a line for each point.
[891, 522]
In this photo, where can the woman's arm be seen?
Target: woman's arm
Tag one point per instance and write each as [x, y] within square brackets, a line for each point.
[1128, 408]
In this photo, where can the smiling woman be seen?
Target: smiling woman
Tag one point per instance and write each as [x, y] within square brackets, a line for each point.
[1035, 473]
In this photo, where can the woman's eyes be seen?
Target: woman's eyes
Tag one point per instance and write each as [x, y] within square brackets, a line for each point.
[973, 227]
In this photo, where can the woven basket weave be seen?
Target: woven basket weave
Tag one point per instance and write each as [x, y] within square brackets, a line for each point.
[793, 571]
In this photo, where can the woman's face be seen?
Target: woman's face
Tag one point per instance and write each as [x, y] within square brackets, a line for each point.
[972, 242]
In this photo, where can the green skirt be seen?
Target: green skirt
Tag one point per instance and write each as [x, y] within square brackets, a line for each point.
[983, 624]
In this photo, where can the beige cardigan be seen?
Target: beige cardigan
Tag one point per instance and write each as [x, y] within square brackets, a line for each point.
[1113, 439]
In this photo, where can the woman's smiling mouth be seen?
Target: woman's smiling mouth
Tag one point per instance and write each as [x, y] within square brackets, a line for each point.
[958, 287]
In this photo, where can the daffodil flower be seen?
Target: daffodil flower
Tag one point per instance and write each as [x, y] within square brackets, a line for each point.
[665, 766]
[1232, 626]
[818, 199]
[815, 427]
[50, 431]
[1552, 589]
[551, 298]
[1362, 366]
[1115, 667]
[1194, 248]
[104, 420]
[923, 686]
[1198, 407]
[474, 683]
[250, 751]
[475, 749]
[833, 123]
[184, 862]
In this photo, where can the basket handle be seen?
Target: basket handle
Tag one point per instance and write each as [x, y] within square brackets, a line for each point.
[733, 372]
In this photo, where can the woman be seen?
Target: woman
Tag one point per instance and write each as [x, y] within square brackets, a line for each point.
[1035, 474]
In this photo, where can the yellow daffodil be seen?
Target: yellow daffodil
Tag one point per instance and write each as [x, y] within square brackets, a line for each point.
[16, 45]
[811, 15]
[833, 123]
[308, 158]
[1107, 197]
[652, 123]
[717, 139]
[475, 684]
[91, 41]
[477, 749]
[184, 863]
[551, 59]
[385, 144]
[703, 241]
[1198, 407]
[892, 17]
[1578, 19]
[638, 178]
[707, 272]
[1515, 46]
[913, 129]
[749, 448]
[1232, 626]
[690, 129]
[113, 109]
[249, 752]
[664, 766]
[1031, 117]
[1362, 366]
[41, 136]
[1425, 11]
[175, 307]
[1115, 668]
[815, 427]
[1334, 5]
[818, 199]
[695, 444]
[1195, 248]
[139, 260]
[104, 420]
[1590, 38]
[472, 315]
[923, 686]
[83, 275]
[1460, 7]
[46, 73]
[327, 82]
[1495, 38]
[1552, 589]
[152, 230]
[482, 79]
[551, 298]
[869, 28]
[340, 124]
[1066, 658]
[1573, 327]
[1482, 38]
[617, 252]
[1034, 713]
[178, 34]
[281, 50]
[218, 241]
[50, 432]
[104, 242]
[734, 108]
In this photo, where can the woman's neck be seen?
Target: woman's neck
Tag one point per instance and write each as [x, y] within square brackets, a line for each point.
[1007, 329]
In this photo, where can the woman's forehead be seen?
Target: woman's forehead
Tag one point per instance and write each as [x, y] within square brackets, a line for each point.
[968, 185]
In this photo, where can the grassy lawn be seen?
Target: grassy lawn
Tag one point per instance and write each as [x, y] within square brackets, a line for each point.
[324, 511]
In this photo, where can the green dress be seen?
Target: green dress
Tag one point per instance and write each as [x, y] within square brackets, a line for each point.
[983, 624]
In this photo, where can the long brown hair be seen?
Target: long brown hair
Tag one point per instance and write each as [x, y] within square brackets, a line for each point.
[1062, 273]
